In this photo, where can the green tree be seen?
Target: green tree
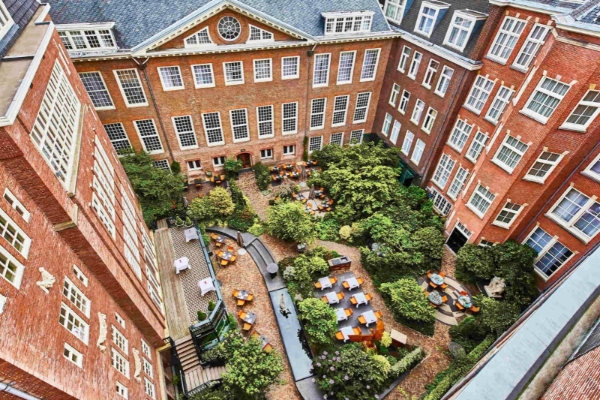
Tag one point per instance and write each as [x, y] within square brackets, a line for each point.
[302, 272]
[515, 264]
[319, 321]
[210, 394]
[232, 167]
[406, 299]
[475, 261]
[217, 204]
[429, 242]
[497, 316]
[236, 194]
[251, 370]
[328, 155]
[288, 221]
[158, 190]
[262, 175]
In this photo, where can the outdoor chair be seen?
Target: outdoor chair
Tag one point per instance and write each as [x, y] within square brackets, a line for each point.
[312, 213]
[200, 195]
[224, 263]
[340, 295]
[214, 236]
[462, 292]
[250, 297]
[219, 254]
[426, 293]
[432, 305]
[247, 326]
[324, 298]
[360, 281]
[339, 336]
[218, 244]
[362, 320]
[348, 312]
[346, 285]
[459, 306]
[328, 209]
[333, 280]
[357, 330]
[321, 208]
[235, 293]
[429, 274]
[318, 285]
[304, 201]
[442, 274]
[369, 296]
[474, 309]
[433, 285]
[353, 301]
[233, 258]
[242, 314]
[268, 348]
[230, 248]
[444, 299]
[322, 196]
[240, 303]
[444, 286]
[379, 314]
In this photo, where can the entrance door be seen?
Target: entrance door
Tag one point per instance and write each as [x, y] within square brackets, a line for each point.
[456, 240]
[245, 158]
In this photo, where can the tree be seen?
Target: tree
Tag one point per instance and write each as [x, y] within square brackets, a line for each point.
[497, 316]
[475, 260]
[515, 264]
[407, 300]
[330, 154]
[232, 167]
[288, 221]
[303, 270]
[251, 370]
[320, 321]
[262, 175]
[210, 394]
[158, 190]
[429, 242]
[217, 204]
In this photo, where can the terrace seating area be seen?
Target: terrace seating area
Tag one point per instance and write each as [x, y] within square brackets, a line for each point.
[295, 171]
[450, 299]
[198, 184]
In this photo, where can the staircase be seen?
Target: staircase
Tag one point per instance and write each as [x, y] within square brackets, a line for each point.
[196, 377]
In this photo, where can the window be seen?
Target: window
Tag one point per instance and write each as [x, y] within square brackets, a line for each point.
[480, 92]
[212, 128]
[337, 138]
[131, 87]
[460, 134]
[395, 132]
[387, 123]
[317, 114]
[443, 171]
[119, 339]
[585, 112]
[266, 153]
[459, 31]
[426, 19]
[429, 120]
[119, 362]
[148, 370]
[578, 213]
[290, 67]
[346, 67]
[543, 166]
[529, 50]
[149, 388]
[265, 121]
[545, 99]
[194, 165]
[170, 78]
[259, 35]
[186, 135]
[499, 104]
[229, 28]
[552, 254]
[103, 183]
[356, 137]
[219, 161]
[6, 21]
[362, 107]
[485, 243]
[10, 268]
[404, 102]
[202, 37]
[73, 355]
[506, 39]
[417, 112]
[85, 40]
[418, 152]
[289, 121]
[321, 70]
[96, 89]
[408, 140]
[458, 182]
[404, 59]
[118, 137]
[122, 390]
[345, 23]
[234, 73]
[75, 296]
[444, 81]
[263, 70]
[289, 150]
[481, 200]
[149, 135]
[161, 164]
[239, 125]
[414, 65]
[80, 275]
[394, 10]
[146, 350]
[73, 323]
[440, 204]
[203, 76]
[120, 320]
[340, 108]
[593, 170]
[315, 143]
[477, 146]
[509, 154]
[2, 303]
[370, 63]
[430, 74]
[56, 127]
[507, 215]
[14, 235]
[394, 95]
[12, 200]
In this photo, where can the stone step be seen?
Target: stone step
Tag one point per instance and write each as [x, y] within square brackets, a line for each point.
[445, 318]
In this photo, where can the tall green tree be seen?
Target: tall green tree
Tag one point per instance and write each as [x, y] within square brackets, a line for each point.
[407, 300]
[288, 221]
[216, 205]
[320, 321]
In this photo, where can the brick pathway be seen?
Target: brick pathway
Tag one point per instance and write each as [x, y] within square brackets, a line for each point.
[259, 202]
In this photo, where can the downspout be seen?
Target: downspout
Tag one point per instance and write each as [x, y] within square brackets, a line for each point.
[16, 392]
[142, 67]
[310, 53]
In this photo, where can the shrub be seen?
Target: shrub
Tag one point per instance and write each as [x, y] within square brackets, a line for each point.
[305, 149]
[210, 394]
[236, 194]
[328, 155]
[386, 339]
[345, 232]
[175, 167]
[188, 221]
[217, 204]
[289, 222]
[211, 305]
[497, 316]
[300, 273]
[474, 260]
[319, 321]
[406, 363]
[256, 229]
[406, 299]
[232, 167]
[241, 219]
[262, 175]
[469, 333]
[327, 228]
[201, 316]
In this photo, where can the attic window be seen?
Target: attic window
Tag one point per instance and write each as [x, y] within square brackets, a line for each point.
[394, 10]
[461, 27]
[198, 39]
[87, 39]
[6, 21]
[429, 14]
[338, 23]
[259, 35]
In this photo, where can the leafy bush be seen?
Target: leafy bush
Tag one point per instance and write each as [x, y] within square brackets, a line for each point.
[386, 339]
[217, 204]
[497, 316]
[256, 229]
[289, 222]
[328, 155]
[327, 228]
[175, 167]
[210, 394]
[408, 304]
[262, 175]
[232, 167]
[469, 333]
[406, 363]
[302, 272]
[319, 321]
[475, 261]
[236, 194]
[201, 316]
[241, 219]
[345, 232]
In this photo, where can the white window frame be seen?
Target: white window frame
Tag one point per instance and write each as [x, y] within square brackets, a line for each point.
[264, 35]
[322, 113]
[82, 334]
[122, 390]
[220, 161]
[484, 200]
[345, 99]
[404, 99]
[499, 104]
[429, 120]
[165, 83]
[387, 124]
[339, 138]
[349, 80]
[284, 119]
[14, 230]
[443, 171]
[360, 132]
[297, 74]
[104, 37]
[16, 205]
[583, 103]
[160, 164]
[310, 144]
[194, 165]
[347, 22]
[589, 172]
[119, 362]
[552, 164]
[197, 36]
[418, 152]
[104, 90]
[146, 349]
[366, 68]
[440, 203]
[203, 85]
[458, 182]
[149, 388]
[119, 339]
[72, 352]
[570, 224]
[534, 114]
[358, 108]
[437, 8]
[460, 134]
[430, 73]
[76, 297]
[415, 63]
[141, 87]
[266, 154]
[395, 132]
[270, 77]
[512, 149]
[476, 147]
[6, 21]
[245, 126]
[118, 136]
[404, 57]
[19, 268]
[507, 36]
[208, 143]
[444, 81]
[509, 211]
[231, 82]
[395, 93]
[542, 253]
[326, 70]
[479, 94]
[262, 123]
[179, 133]
[531, 45]
[417, 113]
[147, 367]
[396, 9]
[81, 277]
[120, 320]
[157, 135]
[469, 30]
[409, 138]
[287, 148]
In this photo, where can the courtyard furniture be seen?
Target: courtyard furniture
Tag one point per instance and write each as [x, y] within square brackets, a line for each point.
[242, 296]
[444, 299]
[323, 283]
[272, 269]
[444, 286]
[348, 311]
[342, 262]
[339, 336]
[474, 309]
[435, 298]
[346, 332]
[226, 255]
[463, 293]
[433, 285]
[182, 264]
[398, 338]
[341, 314]
[333, 280]
[190, 234]
[443, 274]
[459, 306]
[265, 342]
[340, 295]
[224, 263]
[358, 299]
[249, 318]
[378, 314]
[351, 283]
[206, 285]
[332, 298]
[230, 248]
[367, 318]
[198, 183]
[465, 301]
[437, 279]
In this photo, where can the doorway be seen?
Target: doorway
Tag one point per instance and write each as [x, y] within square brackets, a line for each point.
[246, 159]
[456, 240]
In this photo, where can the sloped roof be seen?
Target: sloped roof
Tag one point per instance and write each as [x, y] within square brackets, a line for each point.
[138, 20]
[21, 12]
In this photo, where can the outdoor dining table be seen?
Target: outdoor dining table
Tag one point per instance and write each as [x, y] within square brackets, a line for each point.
[465, 301]
[437, 279]
[369, 317]
[341, 314]
[226, 255]
[206, 285]
[190, 234]
[264, 340]
[332, 298]
[360, 299]
[182, 264]
[325, 283]
[435, 298]
[250, 318]
[243, 295]
[347, 331]
[352, 283]
[220, 239]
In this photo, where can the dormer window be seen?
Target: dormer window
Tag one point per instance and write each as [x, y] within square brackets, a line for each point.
[430, 13]
[259, 35]
[394, 10]
[6, 21]
[87, 39]
[199, 38]
[461, 27]
[348, 22]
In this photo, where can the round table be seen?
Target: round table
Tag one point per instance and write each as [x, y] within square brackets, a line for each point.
[437, 279]
[465, 301]
[435, 298]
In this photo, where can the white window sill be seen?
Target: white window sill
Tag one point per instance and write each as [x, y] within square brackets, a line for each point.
[533, 116]
[416, 163]
[439, 93]
[475, 211]
[574, 128]
[428, 87]
[317, 128]
[288, 155]
[136, 105]
[233, 83]
[591, 175]
[286, 78]
[438, 185]
[495, 59]
[266, 137]
[459, 48]
[503, 166]
[402, 112]
[501, 225]
[204, 86]
[473, 110]
[426, 131]
[404, 152]
[155, 152]
[426, 34]
[104, 108]
[534, 179]
[338, 125]
[359, 122]
[392, 104]
[215, 144]
[263, 80]
[471, 159]
[542, 275]
[490, 120]
[584, 239]
[343, 83]
[189, 148]
[321, 85]
[411, 77]
[520, 69]
[173, 89]
[403, 71]
[456, 148]
[289, 133]
[367, 80]
[414, 122]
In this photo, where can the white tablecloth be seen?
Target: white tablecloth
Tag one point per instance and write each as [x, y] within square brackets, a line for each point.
[332, 298]
[182, 264]
[341, 314]
[190, 234]
[353, 283]
[370, 317]
[206, 285]
[325, 283]
[360, 299]
[347, 331]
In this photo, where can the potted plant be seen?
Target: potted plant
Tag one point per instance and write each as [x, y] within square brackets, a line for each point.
[178, 221]
[211, 305]
[188, 222]
[201, 316]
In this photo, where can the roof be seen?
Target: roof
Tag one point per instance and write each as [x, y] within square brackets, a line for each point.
[133, 25]
[21, 11]
[578, 380]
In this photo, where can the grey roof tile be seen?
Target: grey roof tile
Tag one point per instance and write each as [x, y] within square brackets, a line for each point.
[21, 12]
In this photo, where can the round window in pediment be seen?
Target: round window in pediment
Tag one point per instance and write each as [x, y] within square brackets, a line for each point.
[229, 28]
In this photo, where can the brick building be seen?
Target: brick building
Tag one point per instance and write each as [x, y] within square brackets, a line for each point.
[81, 314]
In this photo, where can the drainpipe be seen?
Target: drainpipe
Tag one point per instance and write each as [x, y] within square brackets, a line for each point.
[16, 392]
[142, 67]
[310, 53]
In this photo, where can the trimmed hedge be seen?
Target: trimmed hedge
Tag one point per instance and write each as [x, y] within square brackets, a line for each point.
[407, 362]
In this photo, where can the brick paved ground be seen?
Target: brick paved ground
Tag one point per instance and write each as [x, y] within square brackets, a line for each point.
[259, 202]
